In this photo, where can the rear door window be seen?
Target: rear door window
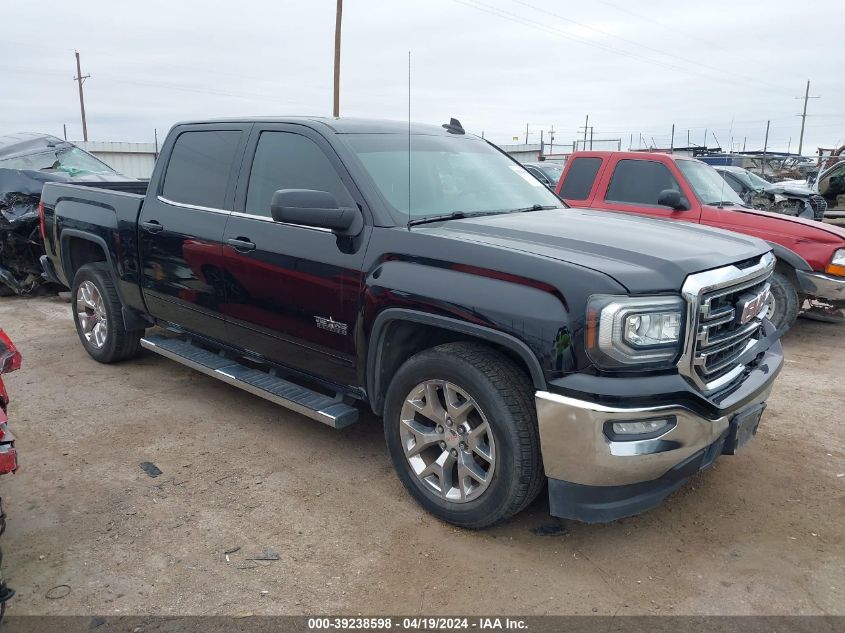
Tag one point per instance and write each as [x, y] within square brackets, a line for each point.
[580, 178]
[199, 167]
[639, 182]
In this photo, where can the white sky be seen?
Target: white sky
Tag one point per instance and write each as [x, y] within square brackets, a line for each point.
[634, 67]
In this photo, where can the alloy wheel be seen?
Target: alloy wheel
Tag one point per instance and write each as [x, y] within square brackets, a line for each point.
[447, 441]
[91, 312]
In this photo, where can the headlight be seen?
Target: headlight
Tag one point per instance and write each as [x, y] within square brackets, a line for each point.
[624, 332]
[837, 264]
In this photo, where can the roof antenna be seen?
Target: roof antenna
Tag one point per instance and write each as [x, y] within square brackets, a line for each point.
[728, 160]
[409, 140]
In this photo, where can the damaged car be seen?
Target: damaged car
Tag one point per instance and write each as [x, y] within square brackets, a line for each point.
[792, 199]
[10, 360]
[27, 161]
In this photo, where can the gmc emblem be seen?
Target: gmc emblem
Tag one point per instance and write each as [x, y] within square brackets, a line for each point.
[752, 305]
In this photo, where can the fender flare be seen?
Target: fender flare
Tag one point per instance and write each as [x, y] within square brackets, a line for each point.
[389, 315]
[84, 235]
[132, 320]
[790, 257]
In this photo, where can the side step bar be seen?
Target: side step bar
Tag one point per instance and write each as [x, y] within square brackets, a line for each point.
[309, 403]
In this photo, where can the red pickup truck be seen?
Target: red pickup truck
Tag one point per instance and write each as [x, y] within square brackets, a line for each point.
[810, 255]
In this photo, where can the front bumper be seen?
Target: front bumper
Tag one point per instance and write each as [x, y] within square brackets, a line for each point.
[821, 286]
[593, 478]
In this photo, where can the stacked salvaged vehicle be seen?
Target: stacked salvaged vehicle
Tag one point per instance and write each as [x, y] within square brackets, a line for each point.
[27, 161]
[505, 340]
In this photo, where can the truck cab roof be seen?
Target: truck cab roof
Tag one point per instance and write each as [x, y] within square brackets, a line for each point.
[342, 125]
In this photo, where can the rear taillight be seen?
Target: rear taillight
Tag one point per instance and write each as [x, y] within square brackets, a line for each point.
[10, 357]
[43, 223]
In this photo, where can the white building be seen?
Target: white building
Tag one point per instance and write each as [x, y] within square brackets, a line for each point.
[135, 160]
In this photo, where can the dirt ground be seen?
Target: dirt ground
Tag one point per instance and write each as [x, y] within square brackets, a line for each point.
[760, 533]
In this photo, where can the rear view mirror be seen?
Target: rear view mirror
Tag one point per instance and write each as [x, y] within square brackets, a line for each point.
[672, 198]
[308, 207]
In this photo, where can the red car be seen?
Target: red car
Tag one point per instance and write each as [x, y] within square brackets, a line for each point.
[810, 255]
[10, 360]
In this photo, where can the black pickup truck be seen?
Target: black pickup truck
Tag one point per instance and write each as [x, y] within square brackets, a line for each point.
[333, 264]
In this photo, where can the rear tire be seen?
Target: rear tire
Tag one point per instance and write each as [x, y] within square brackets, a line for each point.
[786, 302]
[98, 316]
[495, 468]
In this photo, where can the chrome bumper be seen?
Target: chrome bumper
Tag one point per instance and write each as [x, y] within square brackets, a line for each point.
[575, 448]
[821, 286]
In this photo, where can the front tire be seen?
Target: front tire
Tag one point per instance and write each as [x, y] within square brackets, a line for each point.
[98, 316]
[786, 304]
[461, 431]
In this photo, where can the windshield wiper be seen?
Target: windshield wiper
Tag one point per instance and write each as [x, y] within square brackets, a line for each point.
[460, 215]
[535, 207]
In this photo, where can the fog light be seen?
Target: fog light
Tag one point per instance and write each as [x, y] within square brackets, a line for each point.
[638, 429]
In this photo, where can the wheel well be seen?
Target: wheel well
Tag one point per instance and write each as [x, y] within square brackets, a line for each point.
[81, 252]
[403, 339]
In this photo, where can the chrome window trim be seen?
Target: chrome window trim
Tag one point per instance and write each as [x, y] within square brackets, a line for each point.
[195, 207]
[240, 214]
[695, 287]
[265, 218]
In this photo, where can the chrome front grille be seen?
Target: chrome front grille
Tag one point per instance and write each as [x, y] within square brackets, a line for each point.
[721, 326]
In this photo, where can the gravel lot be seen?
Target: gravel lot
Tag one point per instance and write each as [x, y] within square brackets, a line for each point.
[760, 533]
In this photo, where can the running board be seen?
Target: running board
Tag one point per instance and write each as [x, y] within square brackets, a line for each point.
[309, 403]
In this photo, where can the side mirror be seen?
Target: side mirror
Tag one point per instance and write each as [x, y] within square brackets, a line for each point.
[672, 198]
[312, 208]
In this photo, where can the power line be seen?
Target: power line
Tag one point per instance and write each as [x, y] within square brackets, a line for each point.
[672, 54]
[660, 24]
[514, 17]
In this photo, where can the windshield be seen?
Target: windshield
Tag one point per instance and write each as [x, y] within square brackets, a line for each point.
[754, 180]
[65, 160]
[448, 175]
[708, 185]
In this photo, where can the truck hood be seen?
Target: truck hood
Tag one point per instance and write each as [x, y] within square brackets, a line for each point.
[642, 254]
[785, 223]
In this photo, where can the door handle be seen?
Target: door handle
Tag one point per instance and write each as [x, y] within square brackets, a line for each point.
[153, 226]
[242, 244]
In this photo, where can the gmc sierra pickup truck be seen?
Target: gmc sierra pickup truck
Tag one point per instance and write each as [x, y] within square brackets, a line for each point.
[810, 267]
[330, 264]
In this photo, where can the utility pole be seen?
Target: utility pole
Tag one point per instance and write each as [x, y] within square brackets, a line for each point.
[705, 138]
[803, 116]
[765, 147]
[336, 108]
[552, 140]
[80, 79]
[526, 134]
[672, 141]
[542, 146]
[586, 123]
[64, 129]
